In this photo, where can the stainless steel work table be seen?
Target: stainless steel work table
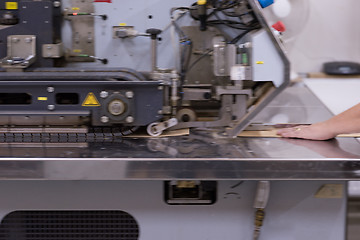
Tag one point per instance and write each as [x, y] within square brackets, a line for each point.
[199, 155]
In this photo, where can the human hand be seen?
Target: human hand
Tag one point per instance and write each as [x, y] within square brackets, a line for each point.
[317, 131]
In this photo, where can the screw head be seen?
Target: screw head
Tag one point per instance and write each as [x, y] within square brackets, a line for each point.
[129, 94]
[50, 89]
[129, 119]
[51, 107]
[104, 94]
[104, 119]
[57, 4]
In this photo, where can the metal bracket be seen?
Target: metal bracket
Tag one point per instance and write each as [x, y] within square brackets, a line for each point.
[53, 50]
[21, 52]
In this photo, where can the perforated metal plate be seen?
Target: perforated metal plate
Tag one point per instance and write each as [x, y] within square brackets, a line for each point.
[56, 225]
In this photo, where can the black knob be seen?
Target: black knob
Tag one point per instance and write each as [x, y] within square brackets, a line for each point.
[153, 32]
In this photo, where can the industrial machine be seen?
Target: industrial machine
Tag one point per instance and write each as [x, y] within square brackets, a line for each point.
[79, 77]
[84, 66]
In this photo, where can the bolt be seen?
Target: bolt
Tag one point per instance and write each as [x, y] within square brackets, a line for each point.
[50, 89]
[51, 107]
[129, 94]
[15, 40]
[104, 94]
[129, 119]
[104, 119]
[160, 87]
[160, 112]
[28, 40]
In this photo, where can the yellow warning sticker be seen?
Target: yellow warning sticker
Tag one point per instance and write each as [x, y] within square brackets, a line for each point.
[42, 98]
[11, 5]
[91, 101]
[259, 62]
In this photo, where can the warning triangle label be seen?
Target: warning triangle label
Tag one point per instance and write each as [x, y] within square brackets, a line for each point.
[90, 101]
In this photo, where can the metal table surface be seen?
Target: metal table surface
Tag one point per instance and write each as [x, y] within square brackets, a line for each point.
[199, 155]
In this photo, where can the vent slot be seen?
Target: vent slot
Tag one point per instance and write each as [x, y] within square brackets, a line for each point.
[15, 99]
[63, 225]
[67, 98]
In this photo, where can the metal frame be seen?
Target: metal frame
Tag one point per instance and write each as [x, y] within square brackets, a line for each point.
[168, 169]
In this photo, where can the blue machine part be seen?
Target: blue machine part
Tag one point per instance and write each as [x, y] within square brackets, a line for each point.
[265, 3]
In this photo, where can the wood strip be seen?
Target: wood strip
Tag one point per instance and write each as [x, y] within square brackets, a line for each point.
[272, 134]
[173, 133]
[324, 75]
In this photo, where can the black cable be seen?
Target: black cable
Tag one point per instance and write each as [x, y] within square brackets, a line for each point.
[198, 60]
[230, 24]
[240, 36]
[233, 14]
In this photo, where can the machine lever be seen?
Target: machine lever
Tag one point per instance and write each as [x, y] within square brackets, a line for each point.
[155, 129]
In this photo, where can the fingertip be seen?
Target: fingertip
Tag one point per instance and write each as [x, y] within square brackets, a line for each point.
[283, 135]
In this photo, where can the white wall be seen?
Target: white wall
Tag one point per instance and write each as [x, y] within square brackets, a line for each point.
[331, 33]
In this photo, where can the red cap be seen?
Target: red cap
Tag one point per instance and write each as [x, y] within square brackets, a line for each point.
[279, 26]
